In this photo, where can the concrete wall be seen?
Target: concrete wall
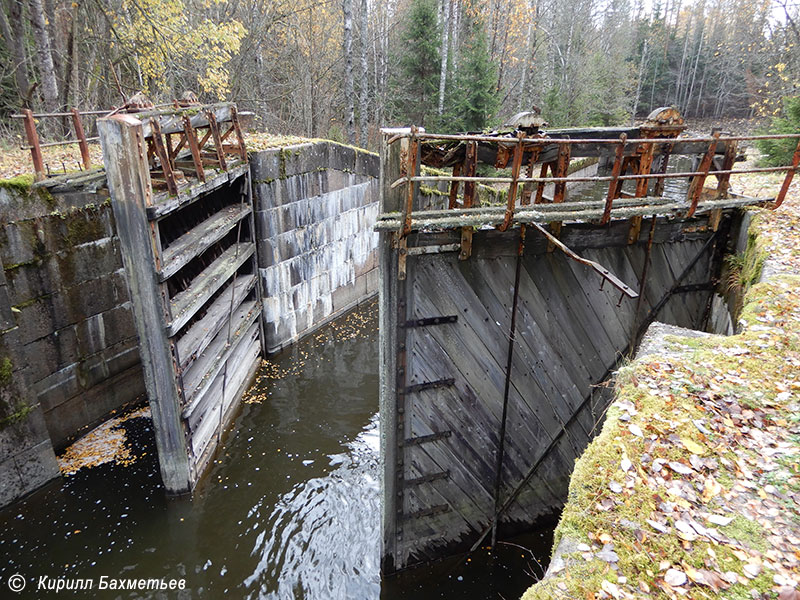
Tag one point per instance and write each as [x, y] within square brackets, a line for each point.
[76, 332]
[27, 460]
[316, 205]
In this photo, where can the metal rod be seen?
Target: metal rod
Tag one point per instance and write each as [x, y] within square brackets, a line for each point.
[789, 175]
[510, 357]
[63, 114]
[61, 143]
[546, 141]
[403, 180]
[562, 168]
[604, 273]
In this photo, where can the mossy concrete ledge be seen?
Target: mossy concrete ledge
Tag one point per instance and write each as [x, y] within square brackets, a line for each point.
[692, 488]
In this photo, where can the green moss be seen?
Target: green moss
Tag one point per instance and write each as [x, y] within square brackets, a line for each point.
[21, 410]
[747, 532]
[6, 370]
[20, 183]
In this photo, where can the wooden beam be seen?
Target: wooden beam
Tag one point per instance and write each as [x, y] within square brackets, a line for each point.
[123, 144]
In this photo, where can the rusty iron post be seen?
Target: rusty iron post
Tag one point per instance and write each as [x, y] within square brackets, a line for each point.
[788, 179]
[82, 144]
[696, 187]
[612, 185]
[512, 188]
[33, 142]
[453, 199]
[470, 165]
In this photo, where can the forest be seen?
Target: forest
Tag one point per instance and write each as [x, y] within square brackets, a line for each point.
[342, 69]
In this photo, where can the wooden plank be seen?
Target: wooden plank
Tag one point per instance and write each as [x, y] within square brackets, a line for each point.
[200, 334]
[199, 239]
[200, 374]
[129, 184]
[164, 204]
[213, 406]
[172, 121]
[186, 304]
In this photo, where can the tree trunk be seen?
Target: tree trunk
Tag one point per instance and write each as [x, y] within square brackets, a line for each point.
[13, 31]
[639, 80]
[363, 98]
[445, 48]
[47, 70]
[347, 10]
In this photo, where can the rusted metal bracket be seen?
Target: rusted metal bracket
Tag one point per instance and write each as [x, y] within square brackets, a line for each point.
[402, 254]
[424, 439]
[427, 512]
[428, 321]
[427, 478]
[466, 243]
[430, 385]
[604, 273]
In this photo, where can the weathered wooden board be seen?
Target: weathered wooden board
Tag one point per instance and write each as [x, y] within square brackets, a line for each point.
[569, 337]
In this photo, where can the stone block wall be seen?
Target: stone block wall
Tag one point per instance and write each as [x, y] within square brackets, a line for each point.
[62, 261]
[27, 460]
[316, 205]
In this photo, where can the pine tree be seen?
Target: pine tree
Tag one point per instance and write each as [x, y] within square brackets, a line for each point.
[474, 96]
[416, 84]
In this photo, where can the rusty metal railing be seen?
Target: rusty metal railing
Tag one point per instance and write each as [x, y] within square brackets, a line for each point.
[35, 145]
[633, 161]
[181, 119]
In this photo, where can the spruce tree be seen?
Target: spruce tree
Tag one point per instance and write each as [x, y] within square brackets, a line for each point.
[415, 85]
[474, 97]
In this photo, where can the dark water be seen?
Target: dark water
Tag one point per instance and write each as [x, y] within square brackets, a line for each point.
[290, 509]
[674, 189]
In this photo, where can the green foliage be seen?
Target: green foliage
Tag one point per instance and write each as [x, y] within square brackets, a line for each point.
[474, 94]
[415, 86]
[779, 152]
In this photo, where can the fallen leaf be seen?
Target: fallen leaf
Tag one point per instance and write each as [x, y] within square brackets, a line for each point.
[675, 577]
[625, 464]
[719, 520]
[752, 570]
[635, 430]
[788, 593]
[658, 526]
[710, 489]
[610, 588]
[680, 468]
[693, 446]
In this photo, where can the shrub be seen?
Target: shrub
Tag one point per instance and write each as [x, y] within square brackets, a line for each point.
[779, 152]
